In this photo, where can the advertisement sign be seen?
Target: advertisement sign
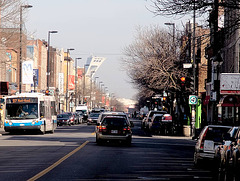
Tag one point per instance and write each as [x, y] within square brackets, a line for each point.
[230, 83]
[61, 83]
[71, 82]
[80, 73]
[27, 72]
[35, 75]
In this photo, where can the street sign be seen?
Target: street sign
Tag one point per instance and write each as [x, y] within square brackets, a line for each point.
[193, 100]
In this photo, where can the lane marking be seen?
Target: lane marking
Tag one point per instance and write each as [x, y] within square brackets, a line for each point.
[57, 163]
[93, 133]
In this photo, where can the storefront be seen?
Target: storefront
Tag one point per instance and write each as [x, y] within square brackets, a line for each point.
[229, 110]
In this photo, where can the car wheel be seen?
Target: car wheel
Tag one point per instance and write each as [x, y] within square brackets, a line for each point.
[98, 141]
[129, 142]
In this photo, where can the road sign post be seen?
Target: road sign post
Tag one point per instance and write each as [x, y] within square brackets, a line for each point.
[193, 100]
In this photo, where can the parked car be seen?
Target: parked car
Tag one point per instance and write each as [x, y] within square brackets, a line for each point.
[78, 117]
[147, 119]
[93, 117]
[72, 118]
[210, 137]
[161, 124]
[114, 128]
[64, 119]
[227, 154]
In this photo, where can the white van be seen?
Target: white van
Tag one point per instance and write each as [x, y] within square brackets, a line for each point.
[83, 109]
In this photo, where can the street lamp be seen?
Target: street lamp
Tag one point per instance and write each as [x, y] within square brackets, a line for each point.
[172, 24]
[48, 59]
[76, 80]
[84, 77]
[70, 49]
[20, 50]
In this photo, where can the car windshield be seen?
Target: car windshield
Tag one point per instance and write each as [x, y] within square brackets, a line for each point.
[22, 111]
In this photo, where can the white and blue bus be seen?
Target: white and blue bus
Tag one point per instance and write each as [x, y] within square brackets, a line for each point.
[30, 111]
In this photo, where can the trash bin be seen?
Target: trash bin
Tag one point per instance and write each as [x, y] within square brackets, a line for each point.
[186, 130]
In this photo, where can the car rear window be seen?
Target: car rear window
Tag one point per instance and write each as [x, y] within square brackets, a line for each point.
[217, 134]
[157, 119]
[114, 122]
[63, 116]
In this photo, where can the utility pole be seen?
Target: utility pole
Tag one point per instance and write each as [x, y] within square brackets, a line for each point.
[194, 72]
[76, 80]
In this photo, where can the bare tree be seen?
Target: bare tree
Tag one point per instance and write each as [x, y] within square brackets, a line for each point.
[152, 61]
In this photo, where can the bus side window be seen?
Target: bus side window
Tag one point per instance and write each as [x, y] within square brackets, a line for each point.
[42, 109]
[53, 108]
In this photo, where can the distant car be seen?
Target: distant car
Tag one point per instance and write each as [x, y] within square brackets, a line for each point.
[148, 118]
[72, 118]
[64, 119]
[77, 117]
[92, 118]
[114, 128]
[210, 137]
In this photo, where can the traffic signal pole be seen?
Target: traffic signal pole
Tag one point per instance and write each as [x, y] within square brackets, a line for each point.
[193, 122]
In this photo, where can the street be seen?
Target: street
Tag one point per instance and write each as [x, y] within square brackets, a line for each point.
[72, 154]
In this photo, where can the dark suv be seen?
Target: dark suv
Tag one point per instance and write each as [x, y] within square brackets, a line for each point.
[114, 128]
[210, 137]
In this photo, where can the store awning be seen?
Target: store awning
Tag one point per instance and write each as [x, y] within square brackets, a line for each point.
[229, 101]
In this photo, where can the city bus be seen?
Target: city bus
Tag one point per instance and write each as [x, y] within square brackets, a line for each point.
[30, 111]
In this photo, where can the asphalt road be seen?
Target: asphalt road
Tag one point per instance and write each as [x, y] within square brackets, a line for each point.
[72, 154]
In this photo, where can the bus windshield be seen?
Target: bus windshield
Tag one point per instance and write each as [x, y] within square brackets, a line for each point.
[22, 111]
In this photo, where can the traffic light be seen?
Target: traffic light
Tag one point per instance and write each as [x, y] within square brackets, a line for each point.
[182, 83]
[47, 92]
[164, 99]
[85, 100]
[190, 84]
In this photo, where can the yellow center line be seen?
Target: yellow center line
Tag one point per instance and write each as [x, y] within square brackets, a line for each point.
[57, 163]
[93, 133]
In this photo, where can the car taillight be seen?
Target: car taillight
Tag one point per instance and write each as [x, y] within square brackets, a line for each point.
[203, 138]
[102, 128]
[126, 129]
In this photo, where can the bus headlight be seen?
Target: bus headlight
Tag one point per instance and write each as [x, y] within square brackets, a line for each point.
[34, 121]
[10, 123]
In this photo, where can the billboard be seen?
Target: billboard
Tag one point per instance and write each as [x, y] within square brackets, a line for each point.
[27, 72]
[230, 83]
[61, 82]
[71, 82]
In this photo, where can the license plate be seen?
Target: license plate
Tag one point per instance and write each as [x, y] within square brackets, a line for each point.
[22, 124]
[114, 131]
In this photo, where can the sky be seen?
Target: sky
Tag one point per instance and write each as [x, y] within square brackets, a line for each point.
[94, 27]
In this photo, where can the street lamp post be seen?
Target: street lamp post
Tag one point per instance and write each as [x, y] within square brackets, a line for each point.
[95, 90]
[48, 59]
[91, 75]
[76, 80]
[84, 77]
[20, 50]
[67, 79]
